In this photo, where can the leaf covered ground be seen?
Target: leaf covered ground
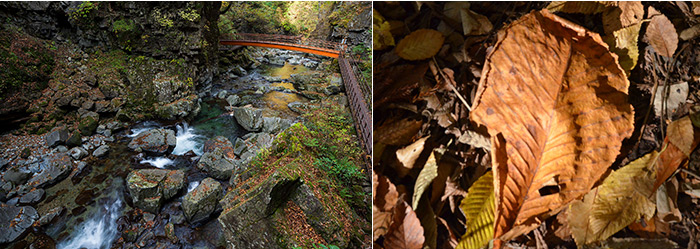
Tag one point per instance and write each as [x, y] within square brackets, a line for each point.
[536, 124]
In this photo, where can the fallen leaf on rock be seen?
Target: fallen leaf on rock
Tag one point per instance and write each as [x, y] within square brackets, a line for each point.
[420, 44]
[626, 14]
[478, 208]
[554, 100]
[677, 95]
[381, 32]
[623, 42]
[661, 35]
[407, 156]
[385, 199]
[621, 199]
[406, 231]
[582, 7]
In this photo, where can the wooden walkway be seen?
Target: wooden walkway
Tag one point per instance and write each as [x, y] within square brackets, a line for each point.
[358, 90]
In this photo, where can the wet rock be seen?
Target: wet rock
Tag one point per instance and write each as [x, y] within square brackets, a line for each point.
[177, 218]
[33, 197]
[77, 153]
[50, 215]
[148, 217]
[54, 168]
[101, 151]
[219, 142]
[217, 164]
[155, 141]
[275, 124]
[199, 203]
[14, 222]
[178, 109]
[248, 117]
[170, 232]
[149, 188]
[16, 176]
[146, 239]
[42, 241]
[222, 94]
[233, 100]
[57, 136]
[75, 139]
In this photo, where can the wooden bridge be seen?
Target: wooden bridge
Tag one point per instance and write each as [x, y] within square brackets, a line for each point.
[358, 90]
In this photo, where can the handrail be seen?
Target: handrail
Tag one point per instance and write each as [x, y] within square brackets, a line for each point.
[299, 40]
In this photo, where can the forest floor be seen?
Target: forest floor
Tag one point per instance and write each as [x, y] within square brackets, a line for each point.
[432, 146]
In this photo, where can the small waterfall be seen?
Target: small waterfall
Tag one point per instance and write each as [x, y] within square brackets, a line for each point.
[159, 162]
[192, 186]
[187, 140]
[98, 232]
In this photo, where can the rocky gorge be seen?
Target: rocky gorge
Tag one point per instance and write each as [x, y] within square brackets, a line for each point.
[124, 125]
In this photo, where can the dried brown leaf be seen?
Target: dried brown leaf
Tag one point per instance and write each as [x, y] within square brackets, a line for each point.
[626, 14]
[676, 143]
[397, 132]
[661, 35]
[666, 206]
[583, 7]
[406, 231]
[554, 100]
[420, 44]
[475, 24]
[407, 156]
[385, 199]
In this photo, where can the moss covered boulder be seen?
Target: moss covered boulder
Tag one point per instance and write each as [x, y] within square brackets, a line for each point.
[201, 202]
[156, 141]
[149, 188]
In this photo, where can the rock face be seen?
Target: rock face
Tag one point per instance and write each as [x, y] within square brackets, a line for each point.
[248, 117]
[201, 202]
[155, 141]
[181, 108]
[149, 188]
[219, 142]
[53, 169]
[32, 197]
[14, 222]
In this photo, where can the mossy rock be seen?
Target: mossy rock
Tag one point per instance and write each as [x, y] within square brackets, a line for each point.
[75, 139]
[87, 125]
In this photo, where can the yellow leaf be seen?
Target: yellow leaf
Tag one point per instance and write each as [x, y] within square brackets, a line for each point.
[623, 42]
[478, 207]
[381, 32]
[420, 44]
[425, 177]
[622, 198]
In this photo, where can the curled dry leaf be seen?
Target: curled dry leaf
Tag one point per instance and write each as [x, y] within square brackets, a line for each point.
[666, 204]
[582, 7]
[554, 100]
[381, 32]
[420, 44]
[478, 208]
[622, 198]
[661, 35]
[406, 231]
[407, 156]
[681, 139]
[385, 199]
[623, 42]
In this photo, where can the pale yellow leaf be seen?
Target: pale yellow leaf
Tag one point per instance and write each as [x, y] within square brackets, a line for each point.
[381, 32]
[623, 42]
[407, 156]
[425, 178]
[420, 44]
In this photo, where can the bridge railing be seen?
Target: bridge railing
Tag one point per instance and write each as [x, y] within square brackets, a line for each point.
[299, 40]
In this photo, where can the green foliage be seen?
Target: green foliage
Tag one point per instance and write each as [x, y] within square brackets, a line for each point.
[83, 11]
[162, 19]
[321, 246]
[25, 62]
[255, 17]
[123, 25]
[190, 15]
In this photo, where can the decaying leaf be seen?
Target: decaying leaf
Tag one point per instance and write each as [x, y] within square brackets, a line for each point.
[623, 42]
[385, 199]
[420, 44]
[406, 231]
[677, 95]
[622, 198]
[582, 7]
[626, 14]
[428, 220]
[690, 33]
[475, 24]
[554, 100]
[666, 207]
[661, 35]
[425, 178]
[397, 131]
[676, 145]
[381, 33]
[475, 139]
[408, 155]
[478, 207]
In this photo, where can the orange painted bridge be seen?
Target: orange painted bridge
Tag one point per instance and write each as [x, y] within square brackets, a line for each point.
[358, 90]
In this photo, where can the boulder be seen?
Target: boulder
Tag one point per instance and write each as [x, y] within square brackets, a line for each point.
[149, 188]
[178, 109]
[101, 151]
[32, 197]
[14, 222]
[199, 203]
[77, 153]
[75, 139]
[233, 100]
[155, 141]
[217, 164]
[275, 124]
[53, 169]
[248, 117]
[16, 176]
[50, 215]
[88, 125]
[57, 136]
[219, 142]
